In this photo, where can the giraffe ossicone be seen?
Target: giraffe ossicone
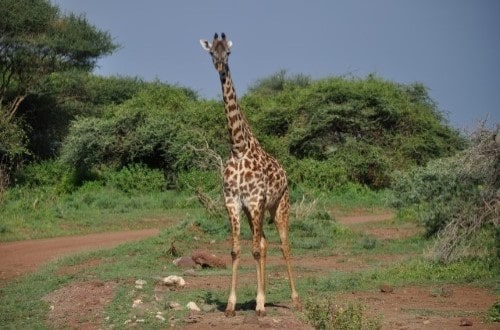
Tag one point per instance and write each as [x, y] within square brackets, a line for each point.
[253, 183]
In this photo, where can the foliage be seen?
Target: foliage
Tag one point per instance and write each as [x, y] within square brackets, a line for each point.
[436, 191]
[456, 197]
[12, 143]
[36, 40]
[367, 127]
[155, 127]
[135, 178]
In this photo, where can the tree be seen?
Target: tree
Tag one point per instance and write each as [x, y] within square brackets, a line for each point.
[37, 41]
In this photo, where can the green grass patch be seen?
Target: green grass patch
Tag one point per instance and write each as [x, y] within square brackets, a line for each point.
[42, 212]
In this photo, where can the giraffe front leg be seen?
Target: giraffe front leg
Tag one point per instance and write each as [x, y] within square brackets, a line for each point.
[235, 255]
[259, 251]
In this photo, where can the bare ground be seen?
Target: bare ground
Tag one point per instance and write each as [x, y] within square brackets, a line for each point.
[17, 258]
[81, 305]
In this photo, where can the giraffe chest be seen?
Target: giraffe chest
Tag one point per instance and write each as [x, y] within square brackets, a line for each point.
[253, 180]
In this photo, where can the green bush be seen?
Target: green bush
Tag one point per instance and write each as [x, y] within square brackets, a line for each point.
[437, 192]
[204, 179]
[326, 133]
[368, 127]
[457, 198]
[134, 178]
[321, 175]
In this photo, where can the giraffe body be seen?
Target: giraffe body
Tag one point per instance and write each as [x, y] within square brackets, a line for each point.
[253, 182]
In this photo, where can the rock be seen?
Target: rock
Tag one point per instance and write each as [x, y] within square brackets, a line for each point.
[136, 303]
[207, 259]
[193, 307]
[174, 281]
[386, 288]
[466, 322]
[160, 317]
[139, 284]
[184, 263]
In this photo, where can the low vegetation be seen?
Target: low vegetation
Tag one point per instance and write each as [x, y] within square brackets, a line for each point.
[457, 199]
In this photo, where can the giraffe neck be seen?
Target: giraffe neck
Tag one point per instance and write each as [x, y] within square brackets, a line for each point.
[240, 136]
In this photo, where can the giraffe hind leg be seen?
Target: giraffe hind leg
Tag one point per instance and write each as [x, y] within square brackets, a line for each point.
[281, 218]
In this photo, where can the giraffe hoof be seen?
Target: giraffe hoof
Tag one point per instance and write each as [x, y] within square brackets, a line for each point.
[260, 313]
[230, 313]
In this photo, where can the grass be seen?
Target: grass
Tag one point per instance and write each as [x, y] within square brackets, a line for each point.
[313, 234]
[29, 213]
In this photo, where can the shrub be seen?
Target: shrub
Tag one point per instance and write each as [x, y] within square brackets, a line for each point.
[368, 127]
[204, 179]
[134, 178]
[315, 174]
[457, 198]
[436, 191]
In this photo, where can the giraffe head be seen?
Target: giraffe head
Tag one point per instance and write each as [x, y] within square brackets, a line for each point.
[219, 50]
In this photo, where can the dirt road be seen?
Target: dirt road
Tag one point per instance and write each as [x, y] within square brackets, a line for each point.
[17, 258]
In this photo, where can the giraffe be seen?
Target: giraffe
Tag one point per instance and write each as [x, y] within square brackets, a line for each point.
[253, 182]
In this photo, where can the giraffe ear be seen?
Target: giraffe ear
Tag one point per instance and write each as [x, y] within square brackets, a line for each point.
[229, 44]
[205, 44]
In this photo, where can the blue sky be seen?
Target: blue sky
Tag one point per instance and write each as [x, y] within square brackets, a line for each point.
[451, 46]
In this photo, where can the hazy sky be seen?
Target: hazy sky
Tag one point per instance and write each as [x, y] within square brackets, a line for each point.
[452, 47]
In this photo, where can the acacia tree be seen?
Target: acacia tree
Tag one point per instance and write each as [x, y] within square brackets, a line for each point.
[36, 40]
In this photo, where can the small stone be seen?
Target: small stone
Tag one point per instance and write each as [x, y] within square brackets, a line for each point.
[193, 307]
[136, 303]
[140, 282]
[160, 317]
[427, 322]
[466, 322]
[174, 280]
[212, 241]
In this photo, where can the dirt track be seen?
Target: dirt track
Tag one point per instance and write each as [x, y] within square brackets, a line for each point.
[17, 258]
